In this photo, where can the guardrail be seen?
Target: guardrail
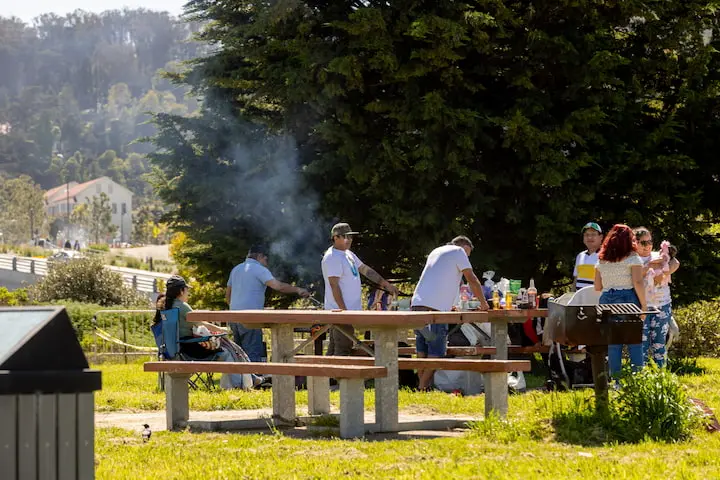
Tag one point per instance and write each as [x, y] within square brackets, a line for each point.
[139, 280]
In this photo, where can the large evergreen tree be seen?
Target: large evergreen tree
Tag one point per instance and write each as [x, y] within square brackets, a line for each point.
[515, 122]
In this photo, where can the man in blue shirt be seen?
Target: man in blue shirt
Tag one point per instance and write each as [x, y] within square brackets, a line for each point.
[246, 291]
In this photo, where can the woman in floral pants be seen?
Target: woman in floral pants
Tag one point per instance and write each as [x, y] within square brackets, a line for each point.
[656, 326]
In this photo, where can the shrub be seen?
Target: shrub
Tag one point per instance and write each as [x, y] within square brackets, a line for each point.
[13, 299]
[85, 280]
[699, 325]
[653, 404]
[103, 247]
[132, 262]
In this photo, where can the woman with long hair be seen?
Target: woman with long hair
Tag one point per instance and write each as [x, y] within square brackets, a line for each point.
[619, 276]
[177, 293]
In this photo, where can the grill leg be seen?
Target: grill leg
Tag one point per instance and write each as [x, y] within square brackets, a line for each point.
[600, 377]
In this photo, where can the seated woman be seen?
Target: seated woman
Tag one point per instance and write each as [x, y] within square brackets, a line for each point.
[619, 276]
[176, 296]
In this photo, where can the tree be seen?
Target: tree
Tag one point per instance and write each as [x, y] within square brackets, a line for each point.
[23, 209]
[99, 218]
[513, 122]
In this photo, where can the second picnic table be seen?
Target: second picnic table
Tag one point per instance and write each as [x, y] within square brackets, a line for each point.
[385, 326]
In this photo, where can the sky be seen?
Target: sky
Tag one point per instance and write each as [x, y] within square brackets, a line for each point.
[29, 9]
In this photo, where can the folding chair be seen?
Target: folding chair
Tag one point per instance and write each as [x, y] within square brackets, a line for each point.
[167, 339]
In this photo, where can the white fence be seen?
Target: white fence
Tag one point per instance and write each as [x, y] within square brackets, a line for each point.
[140, 280]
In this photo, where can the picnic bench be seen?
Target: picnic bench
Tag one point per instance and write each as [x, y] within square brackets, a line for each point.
[386, 327]
[494, 371]
[350, 377]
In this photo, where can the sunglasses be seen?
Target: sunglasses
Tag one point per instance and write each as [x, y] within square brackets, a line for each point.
[645, 243]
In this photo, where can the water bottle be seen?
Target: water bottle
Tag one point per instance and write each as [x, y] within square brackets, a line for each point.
[532, 294]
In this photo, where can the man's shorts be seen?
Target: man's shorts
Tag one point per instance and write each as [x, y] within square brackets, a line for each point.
[431, 340]
[435, 345]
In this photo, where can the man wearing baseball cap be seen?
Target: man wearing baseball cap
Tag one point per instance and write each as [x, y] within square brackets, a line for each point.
[341, 271]
[246, 291]
[584, 272]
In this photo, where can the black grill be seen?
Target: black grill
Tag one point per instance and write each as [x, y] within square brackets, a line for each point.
[602, 324]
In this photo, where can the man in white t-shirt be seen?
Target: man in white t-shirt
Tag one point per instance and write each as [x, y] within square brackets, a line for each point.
[436, 291]
[584, 272]
[341, 271]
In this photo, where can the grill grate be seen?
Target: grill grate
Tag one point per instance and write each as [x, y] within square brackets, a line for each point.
[622, 309]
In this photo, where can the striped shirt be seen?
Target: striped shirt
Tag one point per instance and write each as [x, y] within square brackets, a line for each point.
[584, 271]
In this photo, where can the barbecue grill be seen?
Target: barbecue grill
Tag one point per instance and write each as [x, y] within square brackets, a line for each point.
[596, 327]
[603, 324]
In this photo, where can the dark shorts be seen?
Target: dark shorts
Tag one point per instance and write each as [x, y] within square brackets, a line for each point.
[431, 340]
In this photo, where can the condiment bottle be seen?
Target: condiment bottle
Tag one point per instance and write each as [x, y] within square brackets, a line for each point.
[532, 294]
[495, 298]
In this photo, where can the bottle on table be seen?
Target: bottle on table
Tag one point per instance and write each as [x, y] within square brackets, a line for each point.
[508, 300]
[495, 298]
[464, 297]
[532, 294]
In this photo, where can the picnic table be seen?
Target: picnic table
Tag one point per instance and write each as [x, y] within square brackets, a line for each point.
[384, 325]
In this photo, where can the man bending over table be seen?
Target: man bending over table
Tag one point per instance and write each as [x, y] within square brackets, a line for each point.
[436, 291]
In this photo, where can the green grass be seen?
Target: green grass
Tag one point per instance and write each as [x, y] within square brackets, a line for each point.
[545, 436]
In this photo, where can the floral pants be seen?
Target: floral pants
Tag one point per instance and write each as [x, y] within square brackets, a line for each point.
[654, 336]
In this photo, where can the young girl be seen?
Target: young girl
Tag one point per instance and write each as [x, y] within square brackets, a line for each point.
[619, 276]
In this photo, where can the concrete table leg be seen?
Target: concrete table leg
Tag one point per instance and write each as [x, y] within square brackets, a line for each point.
[386, 389]
[318, 395]
[499, 332]
[283, 386]
[496, 394]
[352, 408]
[177, 407]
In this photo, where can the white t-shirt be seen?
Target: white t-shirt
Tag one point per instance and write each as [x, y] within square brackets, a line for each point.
[584, 270]
[662, 292]
[440, 280]
[346, 265]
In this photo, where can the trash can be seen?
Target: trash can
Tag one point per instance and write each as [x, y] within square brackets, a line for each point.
[47, 418]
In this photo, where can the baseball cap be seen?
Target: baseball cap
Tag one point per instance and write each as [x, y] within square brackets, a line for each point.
[592, 225]
[342, 229]
[176, 281]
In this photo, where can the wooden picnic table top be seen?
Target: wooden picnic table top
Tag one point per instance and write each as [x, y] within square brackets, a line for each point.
[360, 318]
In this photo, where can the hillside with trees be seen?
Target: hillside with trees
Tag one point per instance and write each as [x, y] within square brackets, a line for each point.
[77, 92]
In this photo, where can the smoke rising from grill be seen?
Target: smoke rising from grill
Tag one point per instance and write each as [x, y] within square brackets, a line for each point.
[272, 201]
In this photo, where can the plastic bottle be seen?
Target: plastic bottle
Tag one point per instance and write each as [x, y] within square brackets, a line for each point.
[532, 294]
[464, 297]
[495, 297]
[508, 300]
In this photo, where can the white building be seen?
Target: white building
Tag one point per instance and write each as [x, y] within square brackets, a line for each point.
[60, 200]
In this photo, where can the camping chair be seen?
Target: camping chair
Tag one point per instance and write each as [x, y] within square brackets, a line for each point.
[167, 339]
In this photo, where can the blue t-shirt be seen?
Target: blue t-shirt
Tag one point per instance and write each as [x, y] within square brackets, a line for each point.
[247, 282]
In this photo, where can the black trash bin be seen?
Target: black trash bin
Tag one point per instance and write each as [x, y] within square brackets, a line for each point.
[47, 418]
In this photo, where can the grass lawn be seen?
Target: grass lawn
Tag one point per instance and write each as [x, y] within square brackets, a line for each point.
[544, 438]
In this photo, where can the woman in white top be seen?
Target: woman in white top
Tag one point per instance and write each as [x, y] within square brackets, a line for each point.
[656, 326]
[619, 276]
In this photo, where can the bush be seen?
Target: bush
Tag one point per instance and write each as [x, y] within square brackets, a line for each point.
[85, 280]
[132, 262]
[13, 299]
[103, 247]
[653, 404]
[699, 325]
